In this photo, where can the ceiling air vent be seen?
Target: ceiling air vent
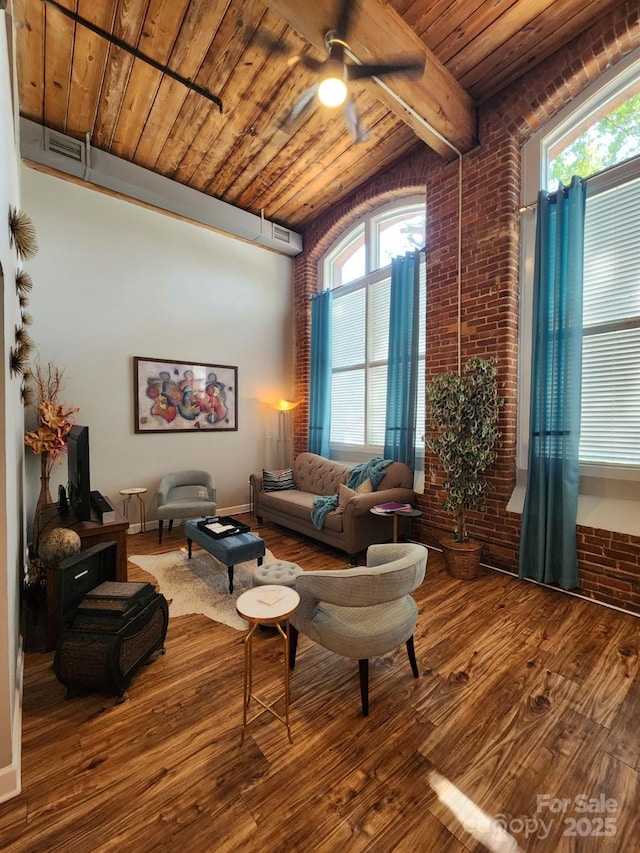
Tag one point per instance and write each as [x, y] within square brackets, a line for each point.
[280, 233]
[64, 146]
[97, 168]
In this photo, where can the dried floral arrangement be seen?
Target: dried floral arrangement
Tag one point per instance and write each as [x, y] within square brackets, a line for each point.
[49, 440]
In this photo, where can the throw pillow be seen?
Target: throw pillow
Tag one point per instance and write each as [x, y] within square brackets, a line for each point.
[344, 493]
[365, 486]
[277, 481]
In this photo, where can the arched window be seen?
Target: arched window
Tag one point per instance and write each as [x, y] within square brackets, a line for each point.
[358, 270]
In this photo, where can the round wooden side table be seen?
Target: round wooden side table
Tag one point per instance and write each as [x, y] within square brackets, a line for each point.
[138, 493]
[271, 604]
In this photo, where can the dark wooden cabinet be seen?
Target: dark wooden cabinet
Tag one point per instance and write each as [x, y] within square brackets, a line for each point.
[71, 580]
[92, 532]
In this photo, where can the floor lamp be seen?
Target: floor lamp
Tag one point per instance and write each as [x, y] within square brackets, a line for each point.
[284, 407]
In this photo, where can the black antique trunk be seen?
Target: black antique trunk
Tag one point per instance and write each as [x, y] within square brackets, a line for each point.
[116, 628]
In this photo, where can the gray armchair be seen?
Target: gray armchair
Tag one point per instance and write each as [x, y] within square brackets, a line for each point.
[362, 612]
[185, 494]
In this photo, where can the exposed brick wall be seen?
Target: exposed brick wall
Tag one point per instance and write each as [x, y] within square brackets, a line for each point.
[489, 285]
[489, 314]
[610, 567]
[542, 93]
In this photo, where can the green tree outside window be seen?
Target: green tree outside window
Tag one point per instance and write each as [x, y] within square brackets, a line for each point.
[612, 139]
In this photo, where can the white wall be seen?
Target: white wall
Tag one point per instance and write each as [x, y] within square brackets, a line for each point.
[113, 280]
[11, 445]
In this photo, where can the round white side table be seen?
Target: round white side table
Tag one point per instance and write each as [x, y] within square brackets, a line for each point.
[271, 604]
[138, 493]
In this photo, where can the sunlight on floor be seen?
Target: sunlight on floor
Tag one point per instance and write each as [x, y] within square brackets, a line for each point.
[482, 826]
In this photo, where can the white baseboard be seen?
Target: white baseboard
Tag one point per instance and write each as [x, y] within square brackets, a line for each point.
[153, 525]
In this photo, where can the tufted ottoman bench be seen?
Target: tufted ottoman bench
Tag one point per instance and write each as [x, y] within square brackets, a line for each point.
[229, 550]
[278, 572]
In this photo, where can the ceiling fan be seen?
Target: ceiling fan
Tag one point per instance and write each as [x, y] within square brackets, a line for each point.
[334, 75]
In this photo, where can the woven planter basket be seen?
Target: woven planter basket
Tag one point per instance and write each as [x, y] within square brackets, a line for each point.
[462, 559]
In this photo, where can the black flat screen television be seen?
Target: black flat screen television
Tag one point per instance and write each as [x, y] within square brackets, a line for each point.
[78, 472]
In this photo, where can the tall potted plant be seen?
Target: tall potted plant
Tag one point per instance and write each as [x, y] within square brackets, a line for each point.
[463, 433]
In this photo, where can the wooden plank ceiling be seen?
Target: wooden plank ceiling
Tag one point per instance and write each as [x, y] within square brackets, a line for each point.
[75, 81]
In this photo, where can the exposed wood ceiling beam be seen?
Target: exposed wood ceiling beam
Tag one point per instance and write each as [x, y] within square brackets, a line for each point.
[436, 100]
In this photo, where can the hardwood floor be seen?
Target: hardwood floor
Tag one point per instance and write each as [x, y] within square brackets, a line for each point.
[528, 703]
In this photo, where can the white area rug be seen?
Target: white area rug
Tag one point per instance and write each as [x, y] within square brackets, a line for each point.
[200, 584]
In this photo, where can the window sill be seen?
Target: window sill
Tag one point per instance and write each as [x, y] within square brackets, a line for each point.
[619, 513]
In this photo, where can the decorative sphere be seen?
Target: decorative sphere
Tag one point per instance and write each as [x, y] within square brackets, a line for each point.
[58, 544]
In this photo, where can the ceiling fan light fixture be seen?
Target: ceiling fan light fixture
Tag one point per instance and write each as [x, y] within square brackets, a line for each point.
[332, 92]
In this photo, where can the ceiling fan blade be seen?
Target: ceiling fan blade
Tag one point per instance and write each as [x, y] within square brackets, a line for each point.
[311, 63]
[352, 120]
[269, 42]
[346, 15]
[359, 72]
[277, 46]
[300, 107]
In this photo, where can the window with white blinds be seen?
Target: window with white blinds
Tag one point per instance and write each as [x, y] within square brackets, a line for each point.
[361, 325]
[359, 365]
[610, 427]
[590, 138]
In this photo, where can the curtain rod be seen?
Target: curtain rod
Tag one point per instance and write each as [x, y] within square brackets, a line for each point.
[526, 208]
[533, 204]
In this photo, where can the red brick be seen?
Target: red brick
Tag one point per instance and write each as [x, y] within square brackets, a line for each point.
[490, 284]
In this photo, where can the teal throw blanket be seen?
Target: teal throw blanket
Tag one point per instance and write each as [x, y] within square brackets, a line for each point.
[372, 470]
[322, 506]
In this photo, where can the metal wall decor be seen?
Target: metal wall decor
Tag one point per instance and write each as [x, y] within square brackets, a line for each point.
[22, 234]
[22, 237]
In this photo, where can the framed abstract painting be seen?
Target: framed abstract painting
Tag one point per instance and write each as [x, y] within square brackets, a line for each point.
[180, 396]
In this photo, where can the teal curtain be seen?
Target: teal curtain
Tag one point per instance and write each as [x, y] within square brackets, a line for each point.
[402, 371]
[320, 374]
[548, 550]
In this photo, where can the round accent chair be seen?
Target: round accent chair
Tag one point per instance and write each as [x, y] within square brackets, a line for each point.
[185, 494]
[364, 612]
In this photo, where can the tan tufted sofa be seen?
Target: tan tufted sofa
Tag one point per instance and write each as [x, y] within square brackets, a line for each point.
[351, 527]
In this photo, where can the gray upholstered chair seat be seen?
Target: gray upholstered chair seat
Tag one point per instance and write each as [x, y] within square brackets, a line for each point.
[362, 612]
[185, 494]
[347, 631]
[183, 504]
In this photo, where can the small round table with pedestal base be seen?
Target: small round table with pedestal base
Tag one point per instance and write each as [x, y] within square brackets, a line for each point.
[266, 605]
[410, 512]
[138, 493]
